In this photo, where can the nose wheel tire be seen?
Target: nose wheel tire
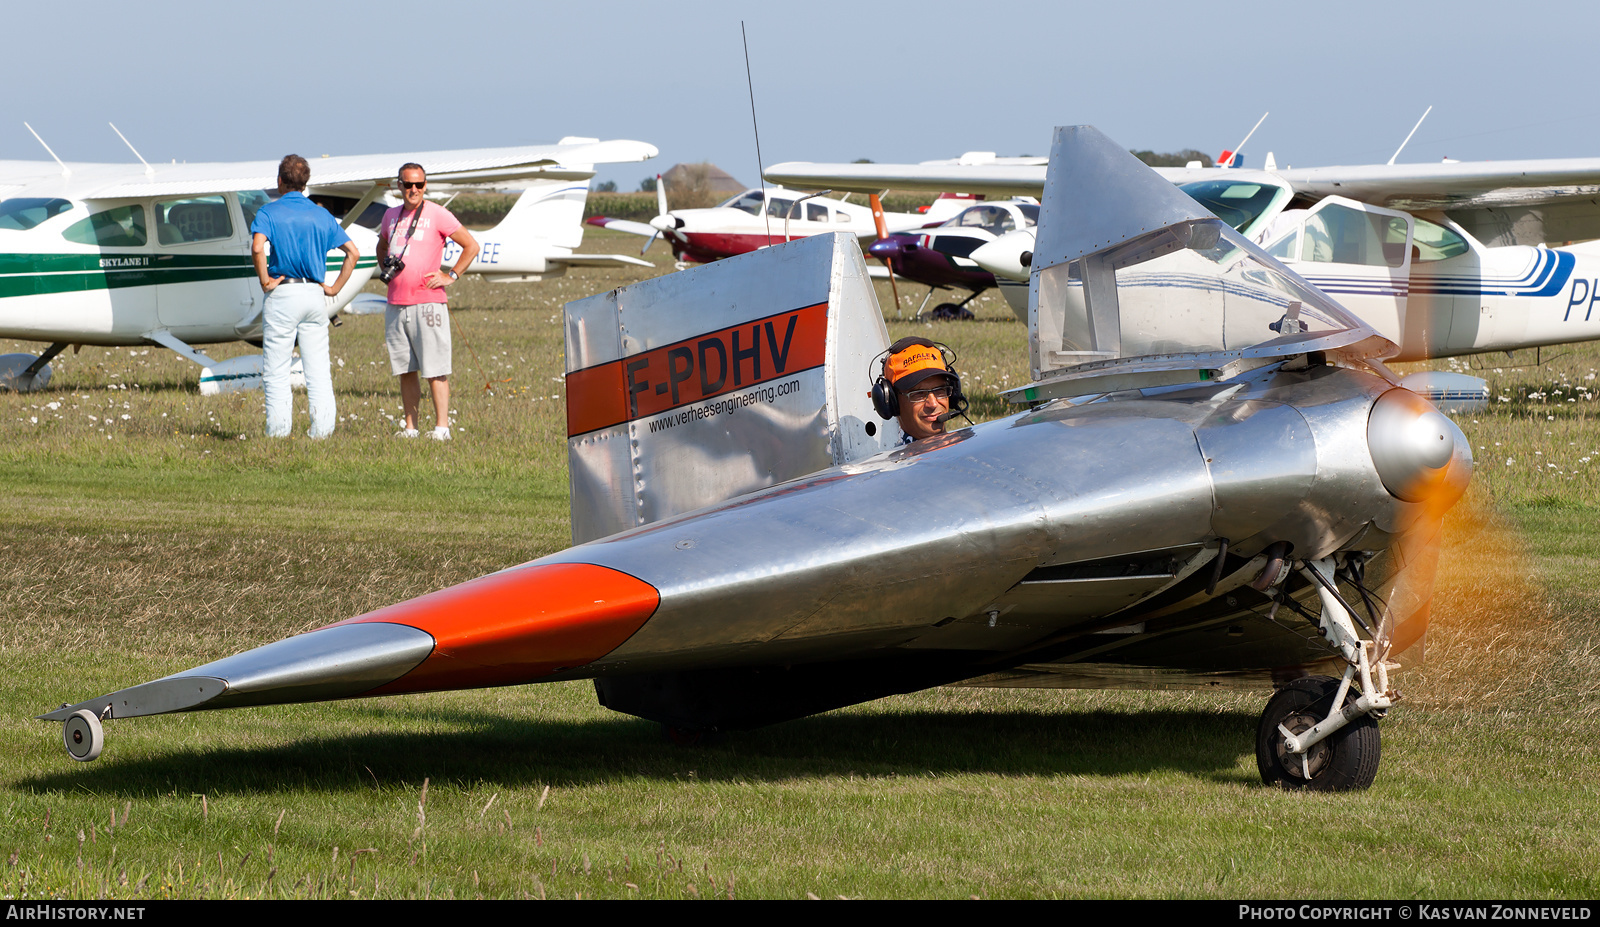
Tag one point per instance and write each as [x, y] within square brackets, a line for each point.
[83, 735]
[1345, 761]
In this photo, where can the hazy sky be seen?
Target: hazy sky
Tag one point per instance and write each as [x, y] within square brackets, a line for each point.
[834, 81]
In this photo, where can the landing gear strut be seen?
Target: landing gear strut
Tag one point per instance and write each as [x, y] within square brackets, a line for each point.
[1321, 733]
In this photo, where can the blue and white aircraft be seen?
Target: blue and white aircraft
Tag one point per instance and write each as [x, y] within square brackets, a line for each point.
[1444, 259]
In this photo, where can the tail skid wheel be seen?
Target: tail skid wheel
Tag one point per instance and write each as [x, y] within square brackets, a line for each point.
[1345, 761]
[83, 735]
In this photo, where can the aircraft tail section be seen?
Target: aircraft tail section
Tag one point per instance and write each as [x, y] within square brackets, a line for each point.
[691, 388]
[548, 209]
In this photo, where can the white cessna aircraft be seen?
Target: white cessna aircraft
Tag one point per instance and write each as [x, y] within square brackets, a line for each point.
[1444, 259]
[117, 254]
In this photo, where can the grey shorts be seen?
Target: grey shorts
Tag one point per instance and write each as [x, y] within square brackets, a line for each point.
[418, 338]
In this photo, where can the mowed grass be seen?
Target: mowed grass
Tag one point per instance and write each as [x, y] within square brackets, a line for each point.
[140, 546]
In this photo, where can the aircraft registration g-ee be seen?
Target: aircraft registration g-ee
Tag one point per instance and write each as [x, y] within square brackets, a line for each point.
[117, 254]
[1202, 486]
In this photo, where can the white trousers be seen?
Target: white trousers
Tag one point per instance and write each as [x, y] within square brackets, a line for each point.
[296, 311]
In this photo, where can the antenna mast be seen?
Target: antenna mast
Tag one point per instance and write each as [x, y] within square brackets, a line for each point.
[761, 172]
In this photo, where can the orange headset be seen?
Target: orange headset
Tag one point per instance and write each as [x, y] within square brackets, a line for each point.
[886, 399]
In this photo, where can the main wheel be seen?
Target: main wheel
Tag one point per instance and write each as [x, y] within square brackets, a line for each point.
[83, 736]
[1345, 761]
[950, 312]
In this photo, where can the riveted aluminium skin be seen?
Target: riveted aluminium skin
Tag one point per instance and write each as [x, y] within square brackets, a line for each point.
[797, 571]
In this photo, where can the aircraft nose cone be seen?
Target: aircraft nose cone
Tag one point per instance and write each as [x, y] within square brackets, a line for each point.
[885, 248]
[666, 222]
[1411, 443]
[1003, 256]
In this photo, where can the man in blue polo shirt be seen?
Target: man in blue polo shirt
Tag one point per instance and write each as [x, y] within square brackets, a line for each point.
[302, 233]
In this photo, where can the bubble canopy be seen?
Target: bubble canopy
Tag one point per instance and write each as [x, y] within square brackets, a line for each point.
[1130, 272]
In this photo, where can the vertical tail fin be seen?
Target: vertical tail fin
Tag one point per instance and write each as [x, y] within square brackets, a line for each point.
[548, 209]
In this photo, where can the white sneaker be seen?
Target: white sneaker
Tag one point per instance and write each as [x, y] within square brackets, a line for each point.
[407, 433]
[442, 433]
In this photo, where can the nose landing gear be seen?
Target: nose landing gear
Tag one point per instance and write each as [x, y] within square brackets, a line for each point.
[1346, 760]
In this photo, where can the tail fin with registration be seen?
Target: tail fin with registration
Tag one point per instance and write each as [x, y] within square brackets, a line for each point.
[694, 387]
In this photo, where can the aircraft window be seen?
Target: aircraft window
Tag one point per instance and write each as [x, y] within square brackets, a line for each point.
[1030, 212]
[746, 202]
[778, 208]
[1234, 202]
[1340, 235]
[122, 227]
[816, 212]
[200, 218]
[25, 212]
[249, 202]
[1284, 249]
[841, 217]
[1435, 242]
[995, 219]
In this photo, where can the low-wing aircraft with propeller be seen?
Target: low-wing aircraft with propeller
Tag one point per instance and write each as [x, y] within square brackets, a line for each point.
[1213, 485]
[758, 218]
[118, 254]
[941, 257]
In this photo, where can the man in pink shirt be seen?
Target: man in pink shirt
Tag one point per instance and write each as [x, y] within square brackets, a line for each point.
[416, 326]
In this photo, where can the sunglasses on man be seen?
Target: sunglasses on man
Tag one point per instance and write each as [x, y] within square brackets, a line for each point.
[938, 392]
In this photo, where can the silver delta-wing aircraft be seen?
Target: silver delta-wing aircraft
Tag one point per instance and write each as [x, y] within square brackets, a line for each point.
[117, 254]
[1215, 484]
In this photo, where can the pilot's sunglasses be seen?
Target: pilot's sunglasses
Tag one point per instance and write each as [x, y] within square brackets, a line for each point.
[938, 392]
[410, 185]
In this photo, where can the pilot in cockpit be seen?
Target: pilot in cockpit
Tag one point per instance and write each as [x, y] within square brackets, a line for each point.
[918, 384]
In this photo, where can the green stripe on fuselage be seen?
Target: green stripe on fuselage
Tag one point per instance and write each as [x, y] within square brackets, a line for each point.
[43, 274]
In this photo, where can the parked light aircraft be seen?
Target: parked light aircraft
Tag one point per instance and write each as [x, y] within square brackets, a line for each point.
[1443, 259]
[940, 257]
[112, 254]
[755, 219]
[1212, 485]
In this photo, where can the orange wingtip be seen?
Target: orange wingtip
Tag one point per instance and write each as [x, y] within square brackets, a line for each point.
[519, 625]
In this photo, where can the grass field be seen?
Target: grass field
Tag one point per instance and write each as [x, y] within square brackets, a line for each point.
[150, 529]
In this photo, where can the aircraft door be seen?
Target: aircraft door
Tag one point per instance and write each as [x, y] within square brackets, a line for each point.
[205, 282]
[1358, 254]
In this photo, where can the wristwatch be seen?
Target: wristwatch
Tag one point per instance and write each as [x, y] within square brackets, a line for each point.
[453, 275]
